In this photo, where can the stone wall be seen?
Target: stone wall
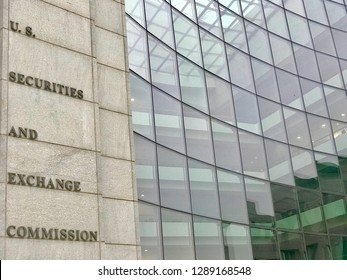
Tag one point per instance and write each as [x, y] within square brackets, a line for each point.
[64, 80]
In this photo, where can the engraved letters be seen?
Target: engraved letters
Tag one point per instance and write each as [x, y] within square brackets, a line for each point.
[43, 182]
[45, 85]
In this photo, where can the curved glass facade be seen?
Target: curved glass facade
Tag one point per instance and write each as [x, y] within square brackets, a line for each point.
[239, 111]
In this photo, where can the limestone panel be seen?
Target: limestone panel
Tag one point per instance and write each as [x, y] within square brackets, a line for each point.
[117, 221]
[112, 89]
[45, 61]
[115, 138]
[26, 249]
[80, 7]
[52, 24]
[118, 252]
[38, 207]
[56, 118]
[3, 106]
[115, 178]
[3, 13]
[3, 53]
[3, 147]
[110, 48]
[2, 210]
[54, 161]
[109, 15]
[2, 248]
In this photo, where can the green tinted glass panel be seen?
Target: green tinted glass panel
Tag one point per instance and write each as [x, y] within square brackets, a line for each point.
[311, 212]
[264, 244]
[329, 173]
[317, 247]
[237, 242]
[285, 206]
[291, 245]
[343, 169]
[339, 247]
[259, 202]
[335, 213]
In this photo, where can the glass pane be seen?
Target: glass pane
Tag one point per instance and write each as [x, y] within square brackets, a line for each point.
[233, 5]
[163, 67]
[329, 173]
[305, 172]
[340, 136]
[233, 30]
[313, 97]
[278, 160]
[141, 106]
[253, 155]
[150, 233]
[135, 9]
[306, 63]
[168, 121]
[173, 180]
[264, 244]
[343, 168]
[322, 38]
[246, 110]
[252, 10]
[340, 39]
[186, 7]
[237, 242]
[335, 212]
[337, 15]
[291, 245]
[282, 53]
[198, 135]
[265, 80]
[311, 212]
[317, 247]
[240, 69]
[276, 20]
[339, 247]
[226, 146]
[220, 99]
[285, 206]
[330, 70]
[146, 169]
[137, 49]
[232, 197]
[289, 89]
[203, 187]
[193, 86]
[187, 38]
[295, 6]
[258, 42]
[337, 103]
[315, 10]
[208, 239]
[297, 128]
[298, 29]
[343, 64]
[214, 55]
[208, 16]
[272, 120]
[320, 129]
[177, 235]
[159, 22]
[259, 202]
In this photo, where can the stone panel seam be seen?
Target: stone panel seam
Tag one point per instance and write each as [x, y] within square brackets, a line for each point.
[72, 12]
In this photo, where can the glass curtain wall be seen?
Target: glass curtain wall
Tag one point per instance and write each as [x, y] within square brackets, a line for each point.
[239, 112]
